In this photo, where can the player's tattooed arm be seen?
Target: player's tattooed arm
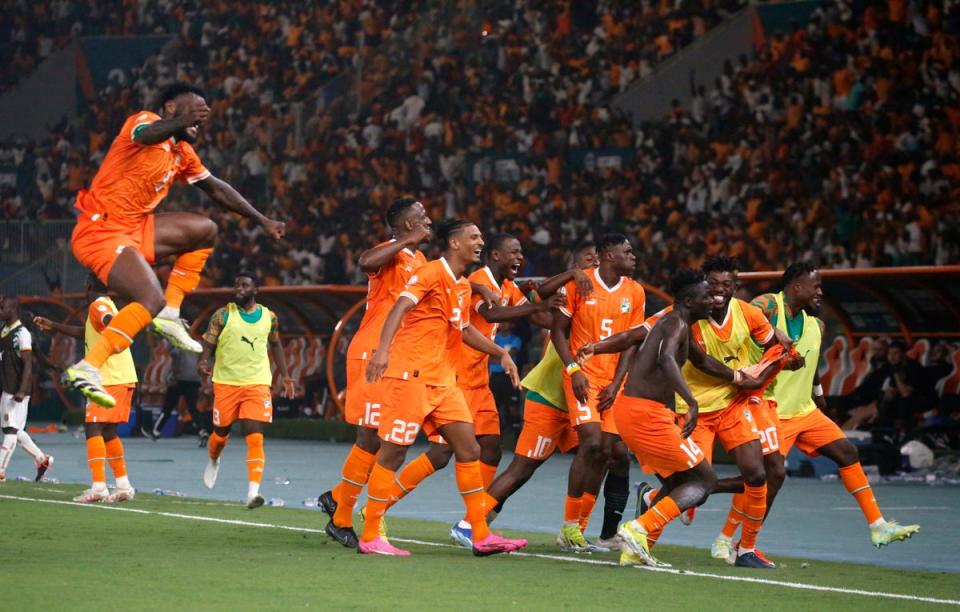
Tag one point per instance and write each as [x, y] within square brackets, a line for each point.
[226, 196]
[378, 363]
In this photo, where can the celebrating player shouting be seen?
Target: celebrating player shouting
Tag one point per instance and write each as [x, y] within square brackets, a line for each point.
[419, 388]
[118, 236]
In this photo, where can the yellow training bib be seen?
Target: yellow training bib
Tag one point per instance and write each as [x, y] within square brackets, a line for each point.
[242, 348]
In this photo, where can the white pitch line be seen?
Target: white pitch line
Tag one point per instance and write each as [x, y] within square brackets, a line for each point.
[894, 508]
[678, 572]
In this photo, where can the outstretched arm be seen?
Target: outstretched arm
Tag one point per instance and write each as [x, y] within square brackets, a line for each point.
[378, 363]
[226, 196]
[617, 343]
[710, 365]
[499, 314]
[46, 325]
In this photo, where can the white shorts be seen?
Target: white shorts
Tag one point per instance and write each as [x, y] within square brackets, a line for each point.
[13, 413]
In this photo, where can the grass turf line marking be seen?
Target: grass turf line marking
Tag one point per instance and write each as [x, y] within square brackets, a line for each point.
[678, 572]
[894, 508]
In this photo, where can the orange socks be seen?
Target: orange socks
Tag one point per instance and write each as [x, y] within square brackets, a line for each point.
[356, 473]
[470, 484]
[489, 472]
[114, 455]
[96, 459]
[119, 334]
[215, 445]
[185, 276]
[735, 515]
[571, 510]
[857, 484]
[754, 509]
[656, 518]
[409, 477]
[587, 502]
[378, 494]
[255, 457]
[653, 536]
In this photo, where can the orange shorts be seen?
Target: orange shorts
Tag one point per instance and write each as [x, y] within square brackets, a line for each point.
[119, 413]
[809, 432]
[588, 413]
[410, 405]
[733, 426]
[250, 402]
[544, 429]
[486, 419]
[768, 425]
[362, 405]
[97, 244]
[650, 431]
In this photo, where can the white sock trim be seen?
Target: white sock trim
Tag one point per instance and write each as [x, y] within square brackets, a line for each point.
[169, 312]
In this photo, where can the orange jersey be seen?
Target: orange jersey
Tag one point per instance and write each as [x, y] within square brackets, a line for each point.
[134, 178]
[472, 368]
[383, 288]
[423, 348]
[606, 311]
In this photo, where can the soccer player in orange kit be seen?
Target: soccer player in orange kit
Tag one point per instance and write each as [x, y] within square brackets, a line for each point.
[118, 236]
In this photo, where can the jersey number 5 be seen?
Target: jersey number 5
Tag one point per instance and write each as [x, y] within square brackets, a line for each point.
[606, 328]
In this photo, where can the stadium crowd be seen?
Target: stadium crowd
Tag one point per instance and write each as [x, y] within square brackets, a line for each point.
[835, 143]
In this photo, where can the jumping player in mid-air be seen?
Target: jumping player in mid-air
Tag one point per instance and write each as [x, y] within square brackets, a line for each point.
[118, 236]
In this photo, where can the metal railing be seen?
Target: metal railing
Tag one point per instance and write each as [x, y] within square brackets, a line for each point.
[35, 258]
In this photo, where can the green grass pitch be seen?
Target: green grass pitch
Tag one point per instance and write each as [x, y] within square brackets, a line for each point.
[163, 553]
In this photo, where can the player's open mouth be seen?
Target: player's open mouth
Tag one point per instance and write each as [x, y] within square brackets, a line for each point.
[477, 252]
[515, 268]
